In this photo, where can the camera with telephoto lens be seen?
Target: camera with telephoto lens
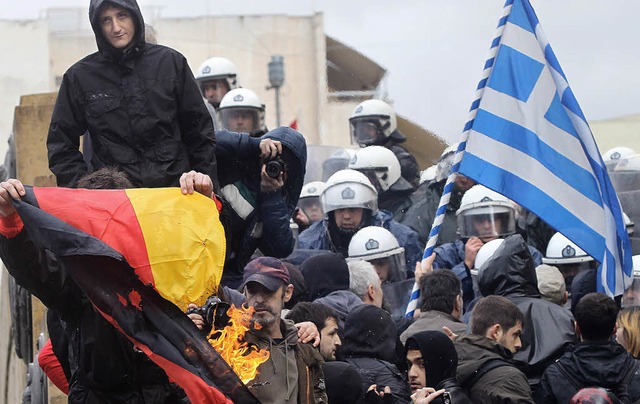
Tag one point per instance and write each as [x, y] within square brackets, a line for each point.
[213, 313]
[275, 166]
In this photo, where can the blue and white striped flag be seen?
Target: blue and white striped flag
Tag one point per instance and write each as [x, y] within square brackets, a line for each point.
[528, 140]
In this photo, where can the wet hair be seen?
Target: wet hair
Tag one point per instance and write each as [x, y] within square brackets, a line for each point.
[493, 310]
[596, 315]
[105, 178]
[439, 290]
[315, 312]
[629, 320]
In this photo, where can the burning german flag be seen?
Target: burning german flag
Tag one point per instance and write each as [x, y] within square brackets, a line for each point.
[141, 256]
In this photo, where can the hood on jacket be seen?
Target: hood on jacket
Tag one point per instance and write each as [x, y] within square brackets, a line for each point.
[438, 354]
[380, 218]
[342, 302]
[281, 360]
[325, 273]
[510, 271]
[370, 332]
[343, 382]
[294, 142]
[104, 46]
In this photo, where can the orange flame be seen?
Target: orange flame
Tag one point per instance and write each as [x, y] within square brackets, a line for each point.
[230, 344]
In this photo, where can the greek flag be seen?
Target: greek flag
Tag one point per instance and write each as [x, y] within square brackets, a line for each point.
[528, 139]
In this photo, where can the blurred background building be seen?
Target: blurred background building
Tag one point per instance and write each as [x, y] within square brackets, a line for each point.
[324, 78]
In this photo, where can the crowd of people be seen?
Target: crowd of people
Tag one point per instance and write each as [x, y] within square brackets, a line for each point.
[509, 310]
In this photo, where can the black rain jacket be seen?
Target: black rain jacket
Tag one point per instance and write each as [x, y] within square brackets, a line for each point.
[371, 345]
[591, 364]
[142, 108]
[548, 328]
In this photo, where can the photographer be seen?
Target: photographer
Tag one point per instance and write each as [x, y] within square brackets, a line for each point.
[260, 179]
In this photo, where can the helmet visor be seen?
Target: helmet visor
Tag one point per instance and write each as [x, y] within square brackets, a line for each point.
[375, 176]
[244, 120]
[312, 208]
[392, 268]
[366, 132]
[332, 165]
[488, 224]
[631, 296]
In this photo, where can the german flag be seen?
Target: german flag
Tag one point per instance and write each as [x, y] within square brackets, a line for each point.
[141, 256]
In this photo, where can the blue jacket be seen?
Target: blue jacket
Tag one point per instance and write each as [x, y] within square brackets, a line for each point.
[317, 237]
[451, 256]
[257, 219]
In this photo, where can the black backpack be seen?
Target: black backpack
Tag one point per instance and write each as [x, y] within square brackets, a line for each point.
[619, 393]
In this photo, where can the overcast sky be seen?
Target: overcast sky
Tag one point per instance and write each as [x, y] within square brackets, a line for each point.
[435, 49]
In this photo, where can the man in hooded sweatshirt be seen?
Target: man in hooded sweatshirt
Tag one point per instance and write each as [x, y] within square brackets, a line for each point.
[327, 278]
[432, 360]
[371, 344]
[139, 102]
[293, 372]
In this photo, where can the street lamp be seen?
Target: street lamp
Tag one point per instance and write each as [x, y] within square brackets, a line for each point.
[276, 78]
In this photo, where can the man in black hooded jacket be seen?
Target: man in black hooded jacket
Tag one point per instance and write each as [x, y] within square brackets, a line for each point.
[433, 361]
[596, 361]
[139, 102]
[371, 344]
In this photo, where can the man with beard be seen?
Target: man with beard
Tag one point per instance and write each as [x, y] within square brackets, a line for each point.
[484, 370]
[293, 372]
[327, 322]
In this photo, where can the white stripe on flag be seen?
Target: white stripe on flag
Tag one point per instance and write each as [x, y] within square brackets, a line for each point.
[523, 114]
[530, 170]
[530, 142]
[522, 40]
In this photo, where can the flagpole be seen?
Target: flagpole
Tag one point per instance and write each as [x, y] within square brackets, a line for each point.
[448, 187]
